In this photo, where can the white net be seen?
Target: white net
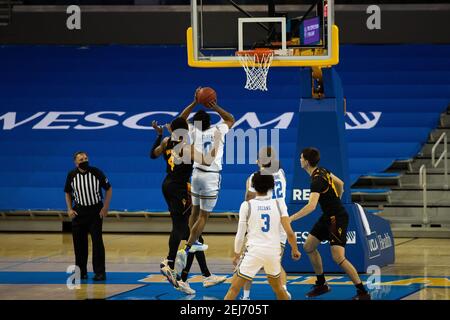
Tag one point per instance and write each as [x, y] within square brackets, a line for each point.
[256, 66]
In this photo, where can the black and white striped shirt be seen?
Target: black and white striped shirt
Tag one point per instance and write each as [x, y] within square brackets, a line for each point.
[85, 187]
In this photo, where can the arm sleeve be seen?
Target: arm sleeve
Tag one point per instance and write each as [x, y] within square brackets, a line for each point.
[318, 185]
[155, 145]
[242, 227]
[68, 185]
[282, 207]
[104, 183]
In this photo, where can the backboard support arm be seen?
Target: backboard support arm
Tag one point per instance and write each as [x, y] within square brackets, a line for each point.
[234, 4]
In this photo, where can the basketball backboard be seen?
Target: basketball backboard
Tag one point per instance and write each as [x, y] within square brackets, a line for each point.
[301, 32]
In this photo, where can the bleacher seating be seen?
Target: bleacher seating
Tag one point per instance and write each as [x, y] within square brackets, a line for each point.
[408, 84]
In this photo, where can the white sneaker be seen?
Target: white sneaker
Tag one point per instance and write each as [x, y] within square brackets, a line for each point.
[163, 263]
[171, 275]
[185, 287]
[244, 298]
[212, 280]
[180, 261]
[198, 246]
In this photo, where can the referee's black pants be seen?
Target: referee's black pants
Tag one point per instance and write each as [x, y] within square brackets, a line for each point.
[87, 222]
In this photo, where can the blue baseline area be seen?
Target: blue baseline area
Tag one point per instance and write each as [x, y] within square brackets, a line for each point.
[260, 290]
[396, 91]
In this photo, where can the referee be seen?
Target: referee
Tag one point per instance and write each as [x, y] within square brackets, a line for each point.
[86, 208]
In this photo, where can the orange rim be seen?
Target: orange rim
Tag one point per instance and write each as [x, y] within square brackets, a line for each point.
[259, 53]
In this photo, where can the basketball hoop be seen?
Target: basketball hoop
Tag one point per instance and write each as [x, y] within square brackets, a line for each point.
[256, 65]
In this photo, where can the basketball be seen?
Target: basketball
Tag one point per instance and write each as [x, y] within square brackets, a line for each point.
[206, 95]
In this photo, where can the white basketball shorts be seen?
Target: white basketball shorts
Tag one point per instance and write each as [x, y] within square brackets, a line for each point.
[205, 188]
[256, 258]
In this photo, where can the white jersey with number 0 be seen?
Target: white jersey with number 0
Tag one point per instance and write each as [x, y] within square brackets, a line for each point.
[204, 141]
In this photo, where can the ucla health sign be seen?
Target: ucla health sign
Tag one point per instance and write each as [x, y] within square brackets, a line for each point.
[378, 243]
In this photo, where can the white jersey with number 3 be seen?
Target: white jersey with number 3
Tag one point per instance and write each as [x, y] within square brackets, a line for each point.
[263, 218]
[278, 192]
[260, 218]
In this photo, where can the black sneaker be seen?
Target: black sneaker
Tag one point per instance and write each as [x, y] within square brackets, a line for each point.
[100, 277]
[318, 289]
[362, 295]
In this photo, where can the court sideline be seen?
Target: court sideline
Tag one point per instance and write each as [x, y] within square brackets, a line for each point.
[31, 266]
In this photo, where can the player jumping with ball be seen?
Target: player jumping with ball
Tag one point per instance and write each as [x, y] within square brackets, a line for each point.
[205, 185]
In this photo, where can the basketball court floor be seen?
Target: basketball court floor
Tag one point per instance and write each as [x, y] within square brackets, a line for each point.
[34, 265]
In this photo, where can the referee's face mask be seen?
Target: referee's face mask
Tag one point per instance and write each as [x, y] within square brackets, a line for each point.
[84, 165]
[82, 161]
